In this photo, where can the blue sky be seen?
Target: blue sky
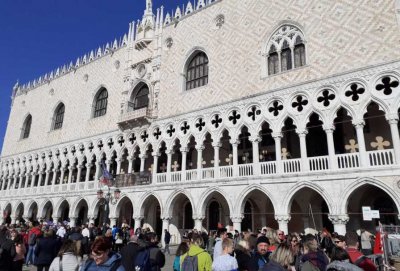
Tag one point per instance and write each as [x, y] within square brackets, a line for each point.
[38, 36]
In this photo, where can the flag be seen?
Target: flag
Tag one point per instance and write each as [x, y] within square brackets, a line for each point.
[106, 177]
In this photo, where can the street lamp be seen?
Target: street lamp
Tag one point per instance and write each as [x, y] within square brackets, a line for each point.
[106, 199]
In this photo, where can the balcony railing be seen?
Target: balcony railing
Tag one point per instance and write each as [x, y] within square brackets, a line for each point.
[131, 114]
[342, 162]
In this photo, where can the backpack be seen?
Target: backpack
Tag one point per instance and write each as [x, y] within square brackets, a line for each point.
[32, 239]
[142, 261]
[191, 263]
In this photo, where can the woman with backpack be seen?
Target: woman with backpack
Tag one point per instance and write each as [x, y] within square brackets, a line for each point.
[102, 258]
[67, 258]
[182, 249]
[196, 254]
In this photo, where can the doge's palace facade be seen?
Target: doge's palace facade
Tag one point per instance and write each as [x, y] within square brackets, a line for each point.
[240, 112]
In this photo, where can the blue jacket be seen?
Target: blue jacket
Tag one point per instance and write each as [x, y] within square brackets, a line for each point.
[114, 258]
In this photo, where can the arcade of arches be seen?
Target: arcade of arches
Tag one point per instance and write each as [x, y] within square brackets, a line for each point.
[306, 208]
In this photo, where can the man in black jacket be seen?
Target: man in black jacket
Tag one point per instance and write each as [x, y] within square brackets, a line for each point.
[167, 239]
[7, 250]
[129, 253]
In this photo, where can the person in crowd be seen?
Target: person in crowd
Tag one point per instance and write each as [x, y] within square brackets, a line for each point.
[355, 255]
[366, 246]
[76, 236]
[225, 262]
[281, 236]
[252, 239]
[45, 250]
[326, 241]
[314, 259]
[272, 238]
[294, 245]
[8, 250]
[339, 241]
[61, 232]
[102, 257]
[221, 235]
[68, 258]
[204, 262]
[108, 236]
[157, 258]
[20, 251]
[33, 234]
[182, 249]
[211, 242]
[261, 257]
[281, 259]
[118, 242]
[243, 255]
[85, 240]
[129, 253]
[167, 240]
[340, 260]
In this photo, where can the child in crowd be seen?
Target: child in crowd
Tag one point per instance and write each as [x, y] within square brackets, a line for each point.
[225, 262]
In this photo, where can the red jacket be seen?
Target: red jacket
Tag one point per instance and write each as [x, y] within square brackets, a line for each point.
[366, 264]
[36, 231]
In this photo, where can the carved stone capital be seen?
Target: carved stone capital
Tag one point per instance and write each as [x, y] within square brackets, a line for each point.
[198, 218]
[237, 218]
[216, 145]
[329, 128]
[138, 217]
[339, 219]
[359, 123]
[282, 218]
[255, 139]
[184, 149]
[301, 132]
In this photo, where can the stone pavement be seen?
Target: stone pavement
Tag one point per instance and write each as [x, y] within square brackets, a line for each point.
[169, 260]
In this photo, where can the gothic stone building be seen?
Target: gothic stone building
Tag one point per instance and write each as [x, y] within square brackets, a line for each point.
[241, 112]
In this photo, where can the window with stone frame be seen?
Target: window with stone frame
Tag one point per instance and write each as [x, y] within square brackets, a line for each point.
[58, 117]
[26, 128]
[197, 71]
[273, 61]
[141, 99]
[100, 106]
[286, 49]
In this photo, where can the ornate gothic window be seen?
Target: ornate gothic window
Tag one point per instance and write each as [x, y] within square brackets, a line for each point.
[141, 98]
[26, 128]
[197, 71]
[286, 49]
[100, 107]
[58, 118]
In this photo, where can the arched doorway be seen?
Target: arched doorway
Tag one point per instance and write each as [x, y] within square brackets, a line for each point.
[63, 211]
[370, 196]
[125, 212]
[216, 211]
[258, 211]
[19, 212]
[181, 212]
[151, 211]
[33, 212]
[81, 212]
[308, 209]
[7, 214]
[47, 212]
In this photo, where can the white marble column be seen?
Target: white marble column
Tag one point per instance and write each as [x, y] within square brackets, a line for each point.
[88, 168]
[142, 161]
[331, 147]
[198, 223]
[303, 149]
[72, 221]
[113, 221]
[46, 180]
[278, 152]
[359, 125]
[256, 154]
[79, 173]
[199, 149]
[237, 222]
[235, 163]
[395, 137]
[70, 169]
[169, 164]
[339, 223]
[130, 164]
[62, 174]
[217, 146]
[138, 221]
[55, 220]
[184, 152]
[33, 179]
[53, 181]
[155, 165]
[283, 221]
[119, 162]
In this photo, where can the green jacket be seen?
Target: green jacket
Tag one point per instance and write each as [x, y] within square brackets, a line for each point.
[203, 258]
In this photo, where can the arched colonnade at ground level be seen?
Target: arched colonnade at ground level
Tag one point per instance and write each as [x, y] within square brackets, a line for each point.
[335, 205]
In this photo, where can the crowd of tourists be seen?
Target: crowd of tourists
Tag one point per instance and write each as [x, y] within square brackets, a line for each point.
[89, 248]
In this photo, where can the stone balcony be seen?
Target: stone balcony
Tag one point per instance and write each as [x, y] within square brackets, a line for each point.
[131, 117]
[339, 164]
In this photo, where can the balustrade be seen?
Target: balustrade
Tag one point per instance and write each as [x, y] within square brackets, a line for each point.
[246, 170]
[381, 158]
[291, 165]
[318, 163]
[268, 168]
